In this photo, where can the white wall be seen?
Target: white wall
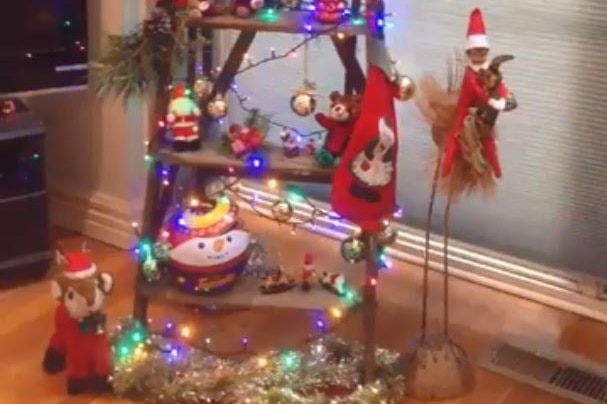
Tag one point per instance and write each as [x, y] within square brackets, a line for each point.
[550, 204]
[95, 148]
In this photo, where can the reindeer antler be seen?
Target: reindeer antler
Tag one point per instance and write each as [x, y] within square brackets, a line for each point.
[498, 60]
[60, 257]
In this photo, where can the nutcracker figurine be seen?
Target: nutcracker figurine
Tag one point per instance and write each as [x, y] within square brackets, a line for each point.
[182, 118]
[308, 272]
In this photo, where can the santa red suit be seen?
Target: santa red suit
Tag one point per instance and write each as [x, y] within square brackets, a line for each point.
[183, 119]
[79, 344]
[473, 95]
[364, 183]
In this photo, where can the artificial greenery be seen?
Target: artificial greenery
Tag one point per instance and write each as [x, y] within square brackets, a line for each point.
[138, 60]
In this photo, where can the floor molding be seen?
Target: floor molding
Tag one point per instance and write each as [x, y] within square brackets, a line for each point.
[98, 216]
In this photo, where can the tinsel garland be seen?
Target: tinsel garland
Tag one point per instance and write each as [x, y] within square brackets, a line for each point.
[327, 371]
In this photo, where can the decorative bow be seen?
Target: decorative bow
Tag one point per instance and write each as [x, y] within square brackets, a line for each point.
[95, 323]
[244, 139]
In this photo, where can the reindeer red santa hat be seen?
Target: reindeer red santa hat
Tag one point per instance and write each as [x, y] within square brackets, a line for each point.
[477, 34]
[79, 265]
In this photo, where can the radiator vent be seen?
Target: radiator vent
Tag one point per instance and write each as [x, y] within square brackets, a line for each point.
[567, 380]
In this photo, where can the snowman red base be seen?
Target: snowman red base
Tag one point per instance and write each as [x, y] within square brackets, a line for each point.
[207, 250]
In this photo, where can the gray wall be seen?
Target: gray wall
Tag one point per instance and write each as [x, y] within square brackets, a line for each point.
[550, 205]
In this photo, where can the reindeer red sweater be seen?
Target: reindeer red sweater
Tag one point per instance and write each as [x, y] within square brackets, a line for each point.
[89, 352]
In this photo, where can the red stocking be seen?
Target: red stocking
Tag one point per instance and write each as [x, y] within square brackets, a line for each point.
[364, 184]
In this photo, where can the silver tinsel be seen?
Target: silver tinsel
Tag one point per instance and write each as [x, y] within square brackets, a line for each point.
[258, 265]
[193, 377]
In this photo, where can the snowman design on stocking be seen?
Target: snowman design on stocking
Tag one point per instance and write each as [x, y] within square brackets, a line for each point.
[373, 168]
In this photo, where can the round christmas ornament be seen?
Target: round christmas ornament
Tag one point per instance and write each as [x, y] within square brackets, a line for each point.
[303, 103]
[208, 252]
[217, 108]
[406, 88]
[282, 211]
[203, 87]
[353, 250]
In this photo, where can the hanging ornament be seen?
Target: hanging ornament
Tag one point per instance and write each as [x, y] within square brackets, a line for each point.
[203, 87]
[217, 108]
[352, 250]
[303, 103]
[406, 87]
[282, 211]
[387, 235]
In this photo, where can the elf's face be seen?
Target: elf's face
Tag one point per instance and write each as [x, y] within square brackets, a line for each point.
[478, 56]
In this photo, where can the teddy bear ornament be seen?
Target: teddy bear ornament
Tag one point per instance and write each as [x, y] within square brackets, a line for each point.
[79, 344]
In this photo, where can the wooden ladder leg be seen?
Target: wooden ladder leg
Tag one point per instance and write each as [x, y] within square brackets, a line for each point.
[346, 50]
[369, 308]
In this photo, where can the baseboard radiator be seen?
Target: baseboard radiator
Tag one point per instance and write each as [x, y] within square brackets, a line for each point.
[574, 293]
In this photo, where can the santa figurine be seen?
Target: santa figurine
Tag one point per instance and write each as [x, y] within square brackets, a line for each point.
[183, 120]
[308, 272]
[474, 94]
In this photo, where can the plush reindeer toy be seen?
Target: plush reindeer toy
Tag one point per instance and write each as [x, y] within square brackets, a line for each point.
[79, 343]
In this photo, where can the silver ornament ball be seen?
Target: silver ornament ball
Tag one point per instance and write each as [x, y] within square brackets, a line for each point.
[303, 104]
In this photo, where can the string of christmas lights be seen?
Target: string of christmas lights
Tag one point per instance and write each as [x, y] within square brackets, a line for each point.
[242, 103]
[163, 368]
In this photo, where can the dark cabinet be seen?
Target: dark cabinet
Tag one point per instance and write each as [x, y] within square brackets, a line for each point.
[24, 221]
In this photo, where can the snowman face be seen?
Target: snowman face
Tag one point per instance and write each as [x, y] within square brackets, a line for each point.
[201, 252]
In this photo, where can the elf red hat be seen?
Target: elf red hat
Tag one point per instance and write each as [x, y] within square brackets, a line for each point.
[179, 91]
[477, 34]
[79, 265]
[308, 259]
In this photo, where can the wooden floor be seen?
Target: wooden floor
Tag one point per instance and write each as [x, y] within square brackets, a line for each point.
[480, 317]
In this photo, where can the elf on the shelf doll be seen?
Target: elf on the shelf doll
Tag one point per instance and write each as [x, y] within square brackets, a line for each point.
[474, 95]
[183, 116]
[364, 183]
[79, 342]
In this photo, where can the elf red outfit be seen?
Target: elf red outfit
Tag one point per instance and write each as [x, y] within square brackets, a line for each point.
[364, 183]
[472, 95]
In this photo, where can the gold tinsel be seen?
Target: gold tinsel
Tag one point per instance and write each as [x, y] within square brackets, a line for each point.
[310, 376]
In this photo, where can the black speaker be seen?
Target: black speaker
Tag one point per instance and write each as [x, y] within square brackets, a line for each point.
[24, 222]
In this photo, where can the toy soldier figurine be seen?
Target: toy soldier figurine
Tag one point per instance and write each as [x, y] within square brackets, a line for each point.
[475, 94]
[308, 272]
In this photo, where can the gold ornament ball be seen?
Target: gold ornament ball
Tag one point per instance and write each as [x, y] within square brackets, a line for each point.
[282, 211]
[217, 108]
[203, 87]
[352, 250]
[303, 104]
[406, 88]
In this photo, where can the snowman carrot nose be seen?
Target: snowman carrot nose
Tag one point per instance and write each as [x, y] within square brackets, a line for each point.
[218, 245]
